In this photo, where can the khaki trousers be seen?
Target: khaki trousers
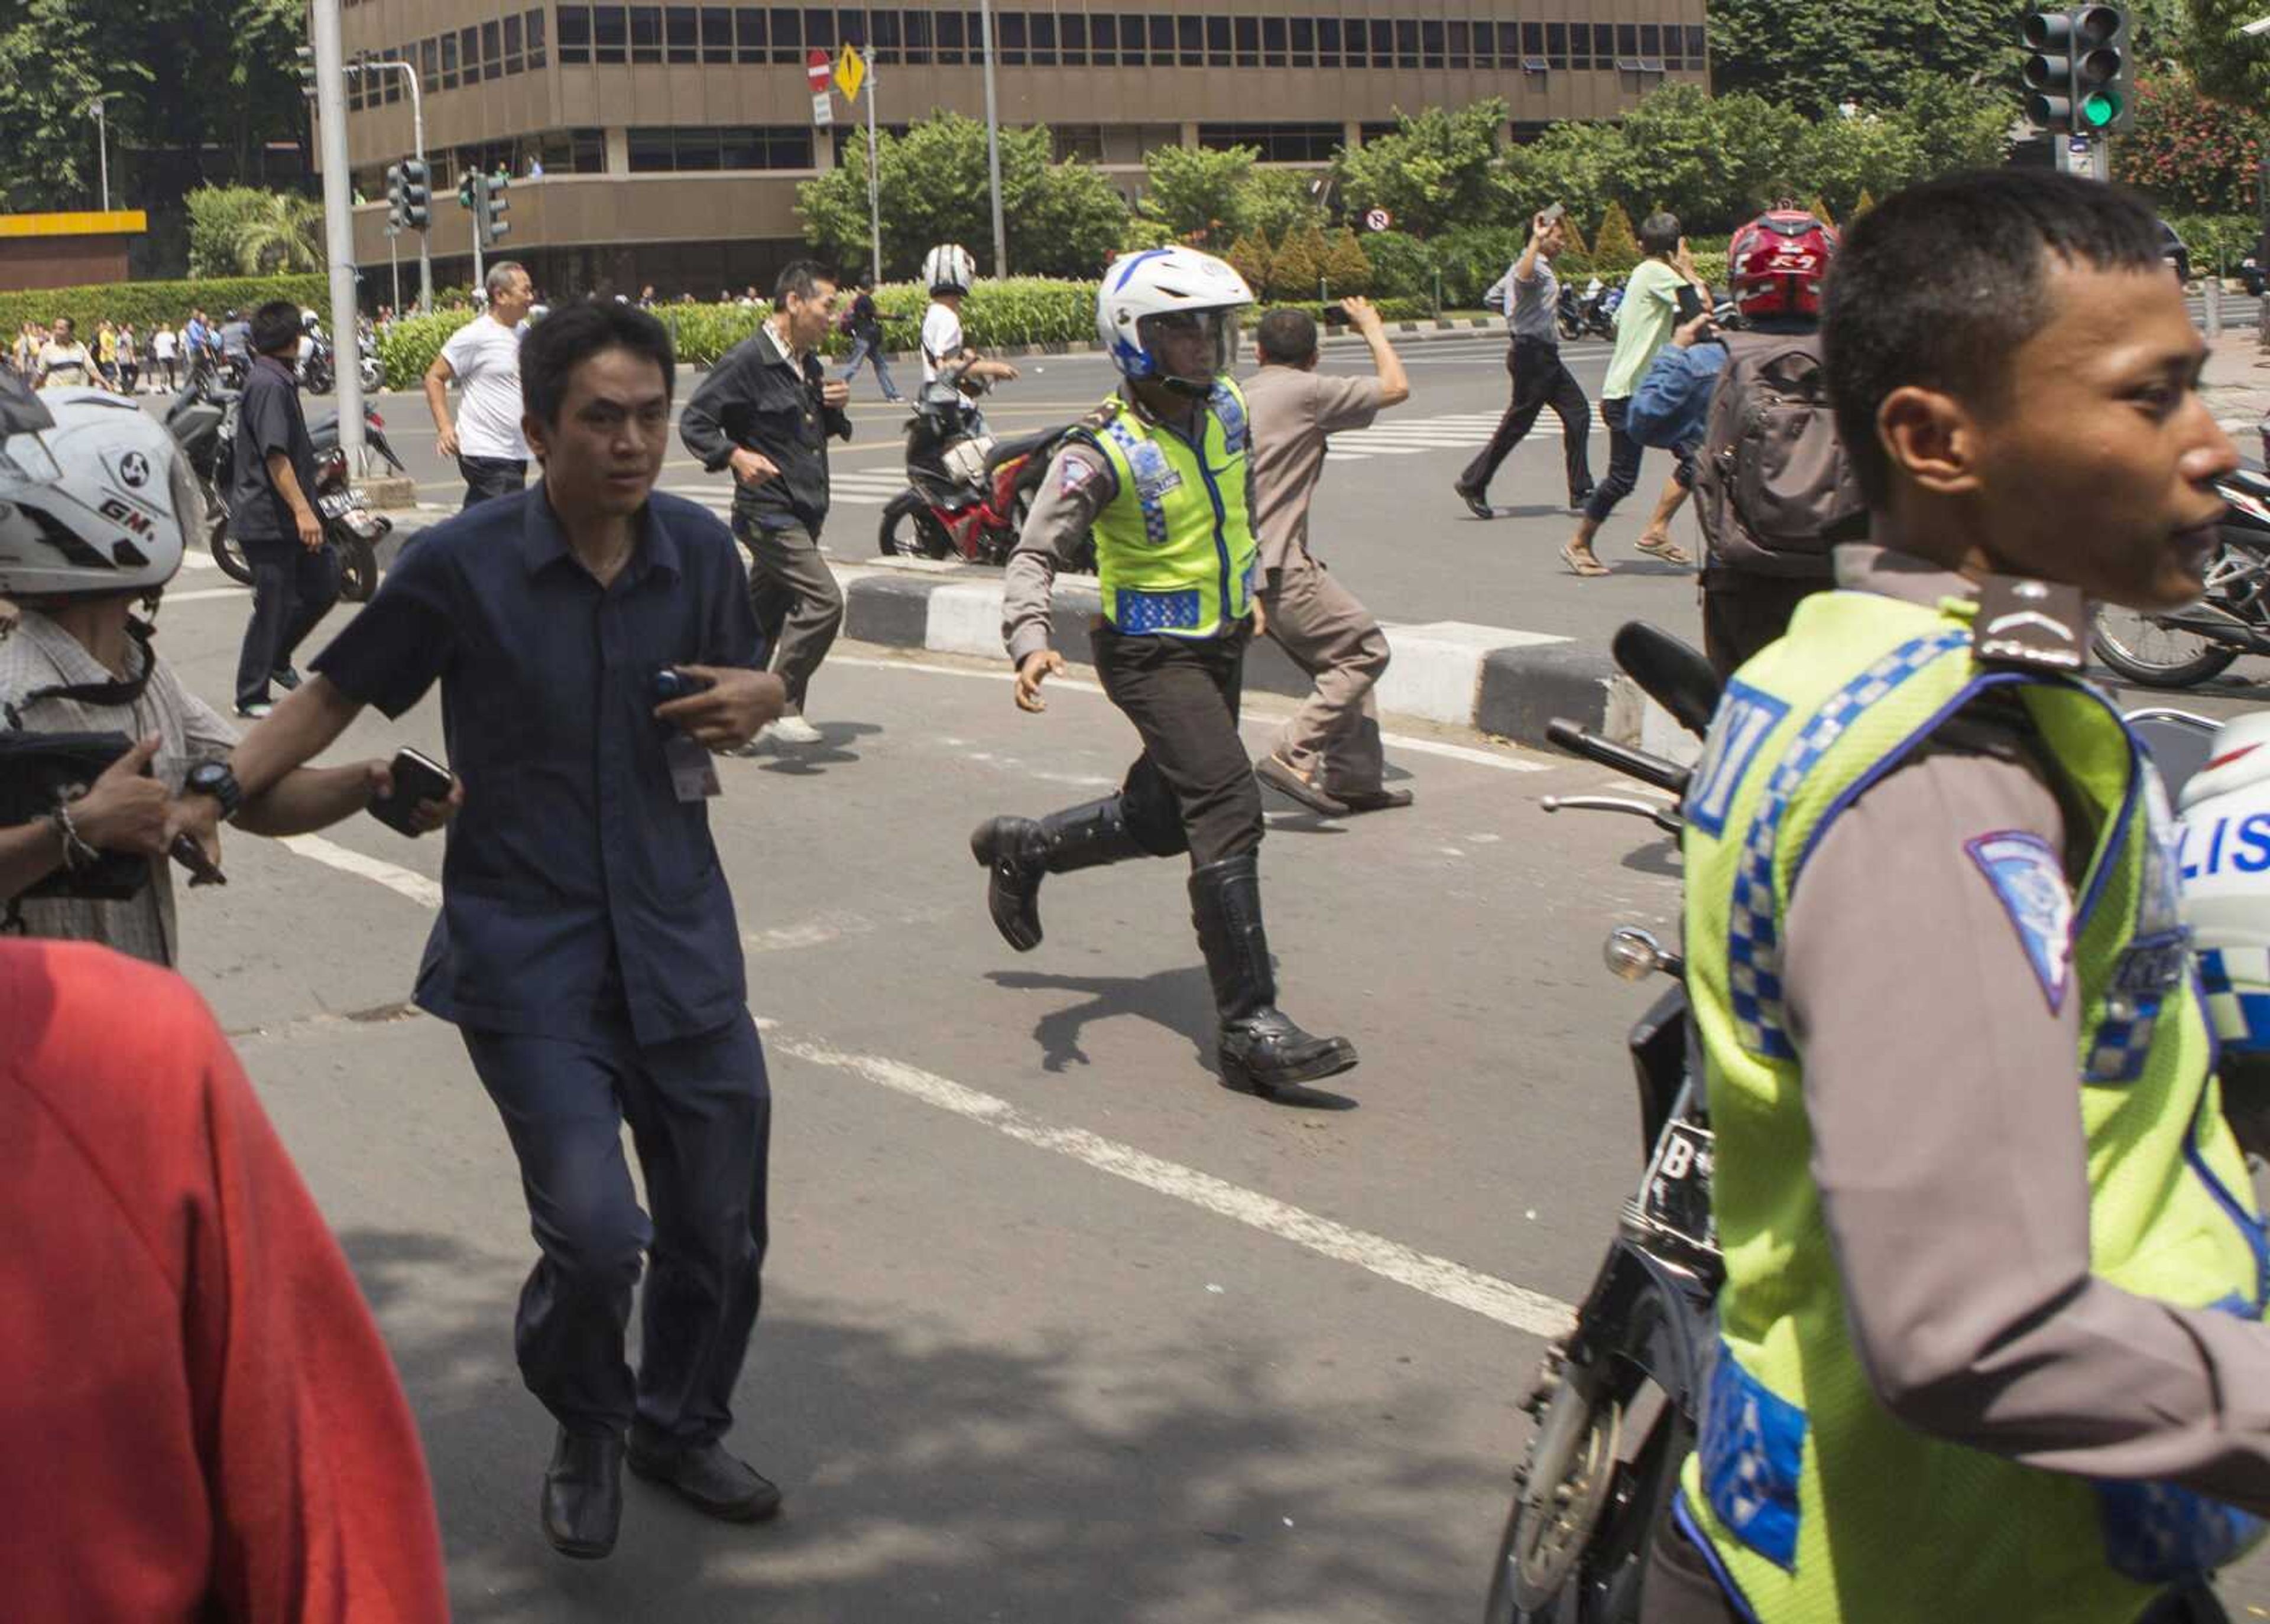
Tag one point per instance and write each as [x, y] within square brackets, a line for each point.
[1333, 738]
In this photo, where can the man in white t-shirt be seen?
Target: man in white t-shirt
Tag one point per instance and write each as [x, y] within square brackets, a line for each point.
[483, 356]
[950, 269]
[165, 349]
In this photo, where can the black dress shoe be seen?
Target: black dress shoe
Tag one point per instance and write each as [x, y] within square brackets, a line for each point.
[1577, 499]
[284, 677]
[712, 1481]
[583, 1494]
[1472, 498]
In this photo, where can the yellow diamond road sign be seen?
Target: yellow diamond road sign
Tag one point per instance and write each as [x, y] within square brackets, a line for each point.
[851, 74]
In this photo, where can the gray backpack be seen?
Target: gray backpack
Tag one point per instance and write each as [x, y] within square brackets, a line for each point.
[1773, 486]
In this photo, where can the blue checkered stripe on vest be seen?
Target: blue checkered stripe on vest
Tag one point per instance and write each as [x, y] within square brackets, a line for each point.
[1226, 406]
[1754, 939]
[1146, 462]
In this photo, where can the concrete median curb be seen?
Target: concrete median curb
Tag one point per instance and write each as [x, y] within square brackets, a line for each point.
[1495, 680]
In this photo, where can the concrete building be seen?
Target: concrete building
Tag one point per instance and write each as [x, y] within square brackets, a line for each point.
[663, 144]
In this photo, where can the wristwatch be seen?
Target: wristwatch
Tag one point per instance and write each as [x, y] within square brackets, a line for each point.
[213, 778]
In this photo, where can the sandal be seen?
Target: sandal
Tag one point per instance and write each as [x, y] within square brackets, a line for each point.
[1669, 551]
[1581, 560]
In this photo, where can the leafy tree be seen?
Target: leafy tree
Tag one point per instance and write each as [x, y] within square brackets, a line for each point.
[1272, 201]
[1439, 170]
[1200, 192]
[1958, 123]
[1062, 219]
[1709, 160]
[1614, 249]
[1347, 266]
[1251, 257]
[282, 234]
[1401, 265]
[2225, 64]
[1300, 263]
[1813, 54]
[1141, 232]
[51, 61]
[2188, 152]
[1578, 164]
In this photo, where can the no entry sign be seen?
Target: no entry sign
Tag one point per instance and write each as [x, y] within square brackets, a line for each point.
[818, 68]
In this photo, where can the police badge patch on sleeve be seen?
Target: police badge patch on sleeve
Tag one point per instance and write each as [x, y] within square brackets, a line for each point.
[2029, 883]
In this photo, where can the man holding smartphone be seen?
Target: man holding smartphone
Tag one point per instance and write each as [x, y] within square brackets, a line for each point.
[587, 947]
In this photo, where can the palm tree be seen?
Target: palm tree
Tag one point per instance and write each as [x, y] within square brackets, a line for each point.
[282, 234]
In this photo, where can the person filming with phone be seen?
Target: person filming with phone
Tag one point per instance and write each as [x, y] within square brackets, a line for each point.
[594, 643]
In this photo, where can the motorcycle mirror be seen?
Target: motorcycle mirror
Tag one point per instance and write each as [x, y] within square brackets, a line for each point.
[1675, 675]
[2178, 742]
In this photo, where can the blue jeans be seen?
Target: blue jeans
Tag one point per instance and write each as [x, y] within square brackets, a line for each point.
[864, 350]
[700, 1116]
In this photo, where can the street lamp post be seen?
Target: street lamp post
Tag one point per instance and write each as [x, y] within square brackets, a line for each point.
[993, 141]
[101, 146]
[418, 143]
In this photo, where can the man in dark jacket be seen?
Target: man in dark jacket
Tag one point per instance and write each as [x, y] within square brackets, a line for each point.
[271, 509]
[766, 411]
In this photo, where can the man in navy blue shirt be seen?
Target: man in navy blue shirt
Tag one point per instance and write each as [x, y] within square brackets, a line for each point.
[587, 947]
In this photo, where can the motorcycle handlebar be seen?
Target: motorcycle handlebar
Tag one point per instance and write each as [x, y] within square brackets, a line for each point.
[1638, 764]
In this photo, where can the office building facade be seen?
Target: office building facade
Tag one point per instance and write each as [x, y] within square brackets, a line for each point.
[663, 144]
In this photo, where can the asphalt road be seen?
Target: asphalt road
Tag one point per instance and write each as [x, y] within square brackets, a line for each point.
[1056, 1327]
[1384, 518]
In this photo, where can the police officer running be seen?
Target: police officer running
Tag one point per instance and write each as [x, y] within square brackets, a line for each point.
[1991, 1340]
[1161, 471]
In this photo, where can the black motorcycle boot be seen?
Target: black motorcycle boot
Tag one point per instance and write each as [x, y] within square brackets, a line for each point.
[1260, 1046]
[1019, 851]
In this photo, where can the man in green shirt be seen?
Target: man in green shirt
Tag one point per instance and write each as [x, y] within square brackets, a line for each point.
[1663, 292]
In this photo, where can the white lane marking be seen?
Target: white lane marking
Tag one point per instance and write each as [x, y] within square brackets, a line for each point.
[1439, 1277]
[416, 887]
[192, 597]
[1401, 741]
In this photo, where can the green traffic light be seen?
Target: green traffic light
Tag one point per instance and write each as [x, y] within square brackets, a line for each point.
[2099, 110]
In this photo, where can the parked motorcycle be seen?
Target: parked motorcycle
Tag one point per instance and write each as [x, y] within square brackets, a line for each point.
[2182, 646]
[1568, 312]
[202, 420]
[316, 370]
[1616, 1400]
[968, 493]
[367, 366]
[1596, 309]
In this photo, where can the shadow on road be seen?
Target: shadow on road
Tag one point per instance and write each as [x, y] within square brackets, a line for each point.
[1179, 1000]
[930, 1478]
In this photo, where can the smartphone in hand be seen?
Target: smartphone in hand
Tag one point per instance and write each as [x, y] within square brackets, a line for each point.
[416, 778]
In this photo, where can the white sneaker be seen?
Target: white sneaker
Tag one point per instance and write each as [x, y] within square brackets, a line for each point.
[792, 729]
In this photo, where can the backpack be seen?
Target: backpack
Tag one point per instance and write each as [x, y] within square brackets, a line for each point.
[1774, 488]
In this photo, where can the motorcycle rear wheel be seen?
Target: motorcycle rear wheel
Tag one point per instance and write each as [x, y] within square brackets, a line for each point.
[910, 531]
[2140, 648]
[228, 553]
[358, 567]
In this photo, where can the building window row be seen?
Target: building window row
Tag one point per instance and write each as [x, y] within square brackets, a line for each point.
[613, 35]
[1280, 144]
[678, 148]
[462, 57]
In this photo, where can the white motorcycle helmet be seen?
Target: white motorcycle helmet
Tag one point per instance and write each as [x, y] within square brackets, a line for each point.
[1143, 289]
[949, 269]
[2226, 869]
[94, 499]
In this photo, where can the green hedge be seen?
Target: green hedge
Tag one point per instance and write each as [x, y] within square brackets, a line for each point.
[147, 304]
[1024, 310]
